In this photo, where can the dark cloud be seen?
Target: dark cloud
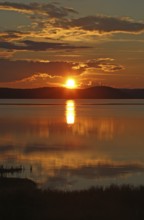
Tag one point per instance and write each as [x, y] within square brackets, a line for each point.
[104, 64]
[104, 24]
[51, 9]
[25, 8]
[29, 45]
[13, 35]
[94, 25]
[21, 69]
[53, 15]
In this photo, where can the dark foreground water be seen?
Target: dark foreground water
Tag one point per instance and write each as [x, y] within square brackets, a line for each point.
[74, 144]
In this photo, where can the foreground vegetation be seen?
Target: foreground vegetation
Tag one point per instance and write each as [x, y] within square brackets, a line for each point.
[20, 199]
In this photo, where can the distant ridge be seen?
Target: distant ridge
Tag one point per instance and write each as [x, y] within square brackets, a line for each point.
[98, 92]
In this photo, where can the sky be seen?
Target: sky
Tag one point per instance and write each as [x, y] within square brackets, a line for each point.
[96, 42]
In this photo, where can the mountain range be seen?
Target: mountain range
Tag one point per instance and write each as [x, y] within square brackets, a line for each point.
[98, 92]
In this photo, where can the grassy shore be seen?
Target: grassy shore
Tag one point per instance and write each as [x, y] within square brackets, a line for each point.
[20, 199]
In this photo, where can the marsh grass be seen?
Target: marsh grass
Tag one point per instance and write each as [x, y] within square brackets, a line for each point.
[27, 202]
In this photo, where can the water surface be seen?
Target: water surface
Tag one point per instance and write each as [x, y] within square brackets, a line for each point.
[74, 144]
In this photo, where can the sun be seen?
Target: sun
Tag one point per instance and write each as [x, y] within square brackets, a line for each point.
[70, 83]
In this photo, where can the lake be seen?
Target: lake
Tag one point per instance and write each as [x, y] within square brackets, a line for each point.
[73, 144]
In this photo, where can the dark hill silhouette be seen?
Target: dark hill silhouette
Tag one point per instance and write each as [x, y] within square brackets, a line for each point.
[98, 92]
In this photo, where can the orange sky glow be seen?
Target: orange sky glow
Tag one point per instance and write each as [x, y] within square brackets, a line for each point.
[43, 43]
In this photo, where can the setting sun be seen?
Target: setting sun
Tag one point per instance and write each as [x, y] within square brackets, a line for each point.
[70, 84]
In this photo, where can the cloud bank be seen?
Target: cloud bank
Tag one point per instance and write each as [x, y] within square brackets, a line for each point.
[29, 45]
[31, 70]
[53, 15]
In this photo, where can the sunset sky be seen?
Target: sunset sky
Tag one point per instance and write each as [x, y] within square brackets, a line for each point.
[97, 42]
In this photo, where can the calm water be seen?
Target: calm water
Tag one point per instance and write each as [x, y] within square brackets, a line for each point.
[74, 144]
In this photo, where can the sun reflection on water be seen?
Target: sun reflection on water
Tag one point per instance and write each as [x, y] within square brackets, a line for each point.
[70, 112]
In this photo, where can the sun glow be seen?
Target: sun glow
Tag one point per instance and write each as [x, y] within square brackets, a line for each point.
[70, 84]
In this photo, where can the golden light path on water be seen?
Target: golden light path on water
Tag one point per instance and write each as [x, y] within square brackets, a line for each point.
[70, 112]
